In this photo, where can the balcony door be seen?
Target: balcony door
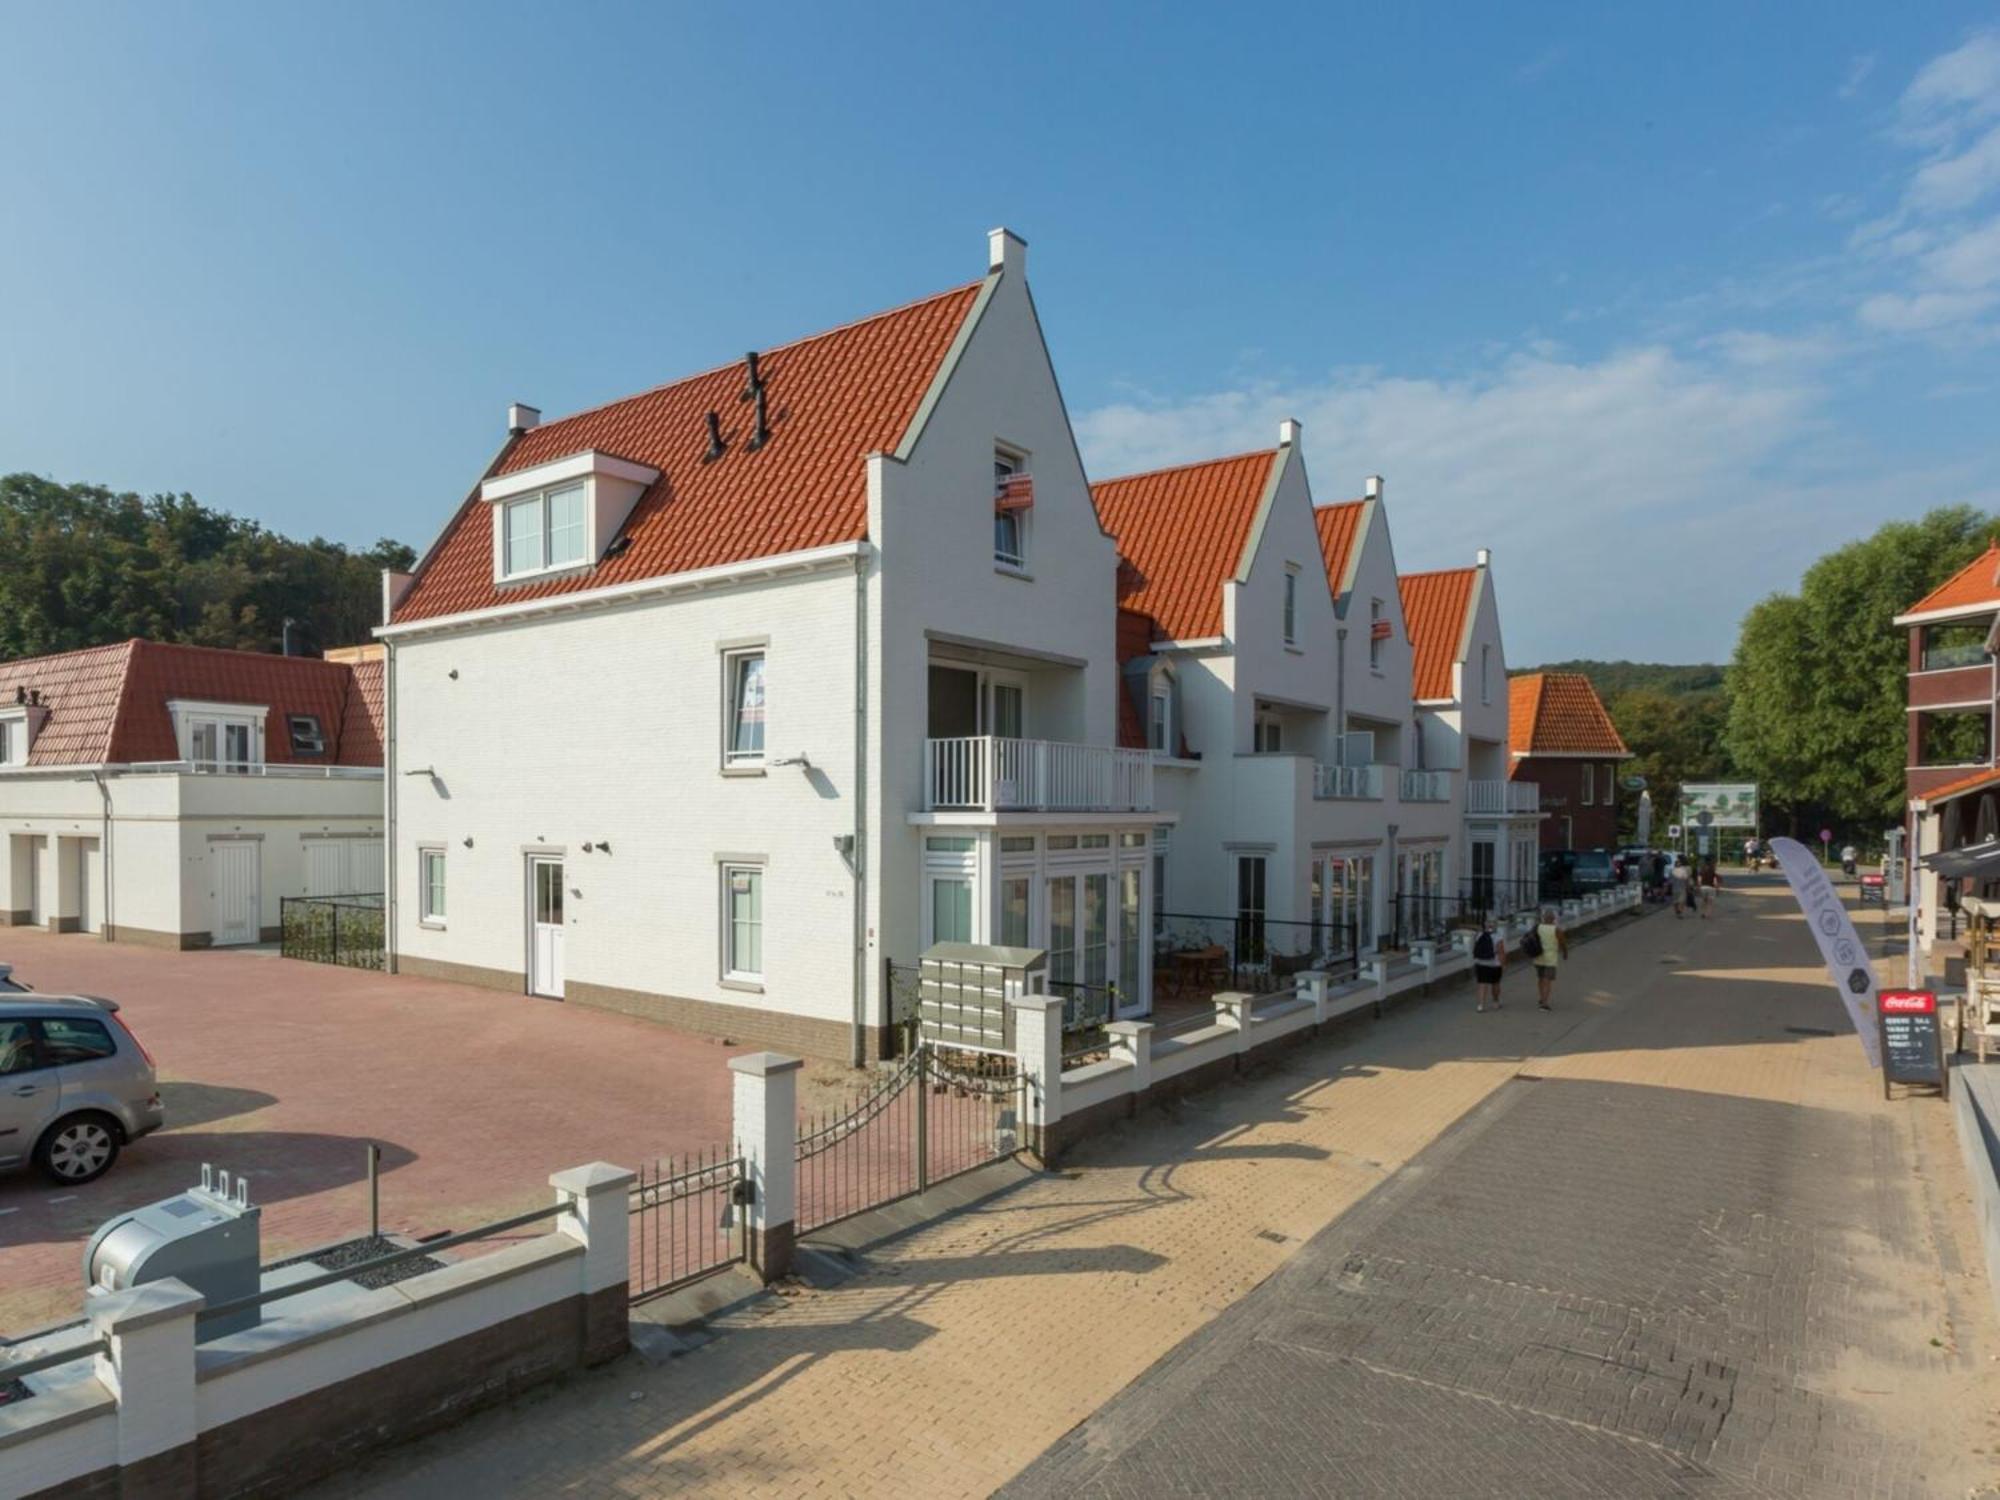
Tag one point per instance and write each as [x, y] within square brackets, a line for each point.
[975, 700]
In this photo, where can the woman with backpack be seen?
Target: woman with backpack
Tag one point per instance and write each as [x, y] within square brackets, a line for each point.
[1546, 946]
[1489, 962]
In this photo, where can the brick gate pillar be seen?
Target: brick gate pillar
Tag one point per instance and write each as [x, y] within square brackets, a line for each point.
[598, 1199]
[767, 1133]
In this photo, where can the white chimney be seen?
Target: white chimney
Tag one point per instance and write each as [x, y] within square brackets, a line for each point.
[1288, 432]
[521, 417]
[1007, 252]
[1483, 558]
[1371, 487]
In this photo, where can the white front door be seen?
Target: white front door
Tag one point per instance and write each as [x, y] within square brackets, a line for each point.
[232, 892]
[89, 885]
[545, 927]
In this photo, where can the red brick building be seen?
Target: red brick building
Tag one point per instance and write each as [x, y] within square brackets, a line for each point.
[1561, 738]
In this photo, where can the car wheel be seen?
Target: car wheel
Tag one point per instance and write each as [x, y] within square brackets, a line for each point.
[78, 1149]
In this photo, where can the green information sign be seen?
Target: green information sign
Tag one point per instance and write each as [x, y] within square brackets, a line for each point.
[1729, 805]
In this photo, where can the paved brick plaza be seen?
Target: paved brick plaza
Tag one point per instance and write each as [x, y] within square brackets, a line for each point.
[285, 1070]
[1664, 1268]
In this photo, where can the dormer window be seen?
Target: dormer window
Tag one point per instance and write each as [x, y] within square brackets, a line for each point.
[1013, 499]
[561, 515]
[223, 738]
[14, 739]
[545, 531]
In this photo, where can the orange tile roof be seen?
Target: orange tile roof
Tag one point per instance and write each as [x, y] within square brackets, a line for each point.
[1559, 713]
[108, 704]
[1183, 532]
[1339, 528]
[834, 398]
[1978, 582]
[1435, 606]
[1959, 787]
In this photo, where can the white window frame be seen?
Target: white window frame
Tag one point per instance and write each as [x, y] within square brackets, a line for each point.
[14, 738]
[429, 915]
[1262, 720]
[1588, 797]
[190, 715]
[1291, 604]
[732, 972]
[1007, 462]
[539, 501]
[732, 659]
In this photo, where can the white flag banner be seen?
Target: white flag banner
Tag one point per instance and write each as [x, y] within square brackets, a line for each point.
[1839, 944]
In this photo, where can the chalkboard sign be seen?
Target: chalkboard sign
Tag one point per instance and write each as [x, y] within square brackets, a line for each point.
[1871, 890]
[1912, 1040]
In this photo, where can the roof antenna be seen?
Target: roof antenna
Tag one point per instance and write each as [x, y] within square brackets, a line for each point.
[715, 444]
[754, 390]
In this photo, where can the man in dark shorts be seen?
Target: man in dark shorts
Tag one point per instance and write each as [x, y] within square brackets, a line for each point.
[1489, 962]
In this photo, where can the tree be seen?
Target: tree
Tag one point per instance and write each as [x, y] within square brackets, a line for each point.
[1816, 686]
[81, 565]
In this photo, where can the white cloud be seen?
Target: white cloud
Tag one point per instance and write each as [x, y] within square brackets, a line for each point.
[1955, 182]
[1952, 91]
[1924, 312]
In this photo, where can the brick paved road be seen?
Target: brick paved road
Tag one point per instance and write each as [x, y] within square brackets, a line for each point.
[1588, 1288]
[284, 1071]
[1556, 1299]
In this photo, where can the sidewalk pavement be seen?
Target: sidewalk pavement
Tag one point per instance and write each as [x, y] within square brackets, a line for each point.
[970, 1346]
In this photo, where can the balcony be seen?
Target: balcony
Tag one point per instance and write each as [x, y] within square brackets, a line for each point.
[1359, 783]
[1427, 786]
[1497, 799]
[990, 773]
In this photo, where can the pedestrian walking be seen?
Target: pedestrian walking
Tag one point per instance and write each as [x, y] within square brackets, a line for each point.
[1547, 946]
[1489, 963]
[1682, 878]
[1710, 879]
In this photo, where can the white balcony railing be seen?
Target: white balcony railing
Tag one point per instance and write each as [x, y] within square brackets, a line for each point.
[1347, 781]
[988, 773]
[1427, 786]
[1500, 798]
[282, 771]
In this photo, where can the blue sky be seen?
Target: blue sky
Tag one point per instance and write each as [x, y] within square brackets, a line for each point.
[1656, 304]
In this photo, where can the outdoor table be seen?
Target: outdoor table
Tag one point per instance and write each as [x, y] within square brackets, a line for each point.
[1197, 964]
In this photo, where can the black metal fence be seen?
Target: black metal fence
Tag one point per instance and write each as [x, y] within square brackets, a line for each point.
[345, 930]
[1415, 917]
[1198, 955]
[688, 1220]
[1493, 897]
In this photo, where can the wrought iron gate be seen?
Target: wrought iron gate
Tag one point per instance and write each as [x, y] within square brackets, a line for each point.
[687, 1220]
[938, 1114]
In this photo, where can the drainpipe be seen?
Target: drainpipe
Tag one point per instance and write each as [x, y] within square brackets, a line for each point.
[858, 857]
[389, 807]
[108, 922]
[1340, 693]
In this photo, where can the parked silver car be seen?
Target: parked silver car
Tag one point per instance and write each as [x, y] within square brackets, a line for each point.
[75, 1085]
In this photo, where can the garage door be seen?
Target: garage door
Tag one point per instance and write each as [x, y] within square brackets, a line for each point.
[232, 892]
[343, 867]
[89, 885]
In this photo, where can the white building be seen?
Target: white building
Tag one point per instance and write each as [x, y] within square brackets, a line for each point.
[1459, 683]
[710, 702]
[173, 795]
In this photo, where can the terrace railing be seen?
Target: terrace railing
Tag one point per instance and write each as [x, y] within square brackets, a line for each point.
[994, 773]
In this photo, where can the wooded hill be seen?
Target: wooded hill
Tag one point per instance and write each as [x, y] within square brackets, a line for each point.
[81, 565]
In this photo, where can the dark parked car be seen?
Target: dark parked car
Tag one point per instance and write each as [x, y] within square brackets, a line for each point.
[1572, 872]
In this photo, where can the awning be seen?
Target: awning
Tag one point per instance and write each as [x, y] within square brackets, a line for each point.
[1975, 861]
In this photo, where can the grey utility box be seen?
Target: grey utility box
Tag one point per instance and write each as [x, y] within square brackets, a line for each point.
[963, 989]
[207, 1237]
